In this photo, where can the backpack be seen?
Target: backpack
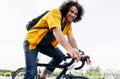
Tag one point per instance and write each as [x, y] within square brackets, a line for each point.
[31, 23]
[49, 37]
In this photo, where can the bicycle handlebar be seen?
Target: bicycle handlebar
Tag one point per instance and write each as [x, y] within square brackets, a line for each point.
[83, 63]
[82, 60]
[65, 64]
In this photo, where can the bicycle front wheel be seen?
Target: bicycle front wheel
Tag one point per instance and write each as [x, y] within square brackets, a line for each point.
[19, 73]
[77, 78]
[74, 77]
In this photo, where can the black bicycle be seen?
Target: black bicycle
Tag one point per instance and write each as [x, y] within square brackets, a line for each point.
[19, 73]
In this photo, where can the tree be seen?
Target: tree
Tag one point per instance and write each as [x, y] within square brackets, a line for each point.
[94, 73]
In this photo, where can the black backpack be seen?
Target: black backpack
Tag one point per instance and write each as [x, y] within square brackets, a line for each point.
[49, 37]
[31, 23]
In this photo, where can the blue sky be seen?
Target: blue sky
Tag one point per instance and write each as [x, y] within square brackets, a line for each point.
[97, 34]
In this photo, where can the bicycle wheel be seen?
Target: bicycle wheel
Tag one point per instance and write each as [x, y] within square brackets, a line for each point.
[19, 73]
[75, 77]
[80, 77]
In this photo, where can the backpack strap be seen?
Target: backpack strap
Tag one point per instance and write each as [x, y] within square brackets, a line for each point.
[40, 27]
[46, 27]
[63, 26]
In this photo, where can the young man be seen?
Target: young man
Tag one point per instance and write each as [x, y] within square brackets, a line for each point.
[68, 12]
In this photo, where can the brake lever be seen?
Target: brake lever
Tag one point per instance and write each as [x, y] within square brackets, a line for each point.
[81, 52]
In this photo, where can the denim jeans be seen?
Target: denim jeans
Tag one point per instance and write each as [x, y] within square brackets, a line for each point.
[31, 58]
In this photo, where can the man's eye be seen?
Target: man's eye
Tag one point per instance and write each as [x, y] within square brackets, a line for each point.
[71, 11]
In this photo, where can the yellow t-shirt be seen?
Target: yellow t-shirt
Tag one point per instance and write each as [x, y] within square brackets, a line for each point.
[51, 19]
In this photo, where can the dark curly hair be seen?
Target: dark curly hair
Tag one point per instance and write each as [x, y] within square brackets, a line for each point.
[64, 8]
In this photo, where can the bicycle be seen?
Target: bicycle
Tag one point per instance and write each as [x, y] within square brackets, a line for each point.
[19, 73]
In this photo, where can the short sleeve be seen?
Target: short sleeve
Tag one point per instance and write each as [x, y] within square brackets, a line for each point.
[54, 18]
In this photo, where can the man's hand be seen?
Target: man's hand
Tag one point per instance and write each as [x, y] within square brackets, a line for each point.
[88, 61]
[74, 53]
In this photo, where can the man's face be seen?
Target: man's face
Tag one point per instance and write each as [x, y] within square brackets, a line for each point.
[72, 14]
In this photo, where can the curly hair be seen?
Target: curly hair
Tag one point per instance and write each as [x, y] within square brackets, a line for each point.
[64, 8]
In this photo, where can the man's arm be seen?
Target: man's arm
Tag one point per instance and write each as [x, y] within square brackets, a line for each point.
[72, 41]
[65, 44]
[61, 39]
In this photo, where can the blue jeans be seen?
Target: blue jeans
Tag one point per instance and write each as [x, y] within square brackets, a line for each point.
[31, 58]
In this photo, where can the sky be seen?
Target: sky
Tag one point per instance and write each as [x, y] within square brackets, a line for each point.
[97, 34]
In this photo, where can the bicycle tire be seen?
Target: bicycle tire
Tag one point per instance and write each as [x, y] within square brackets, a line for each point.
[19, 73]
[75, 77]
[80, 78]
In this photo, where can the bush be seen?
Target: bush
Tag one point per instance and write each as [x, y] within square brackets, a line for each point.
[7, 74]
